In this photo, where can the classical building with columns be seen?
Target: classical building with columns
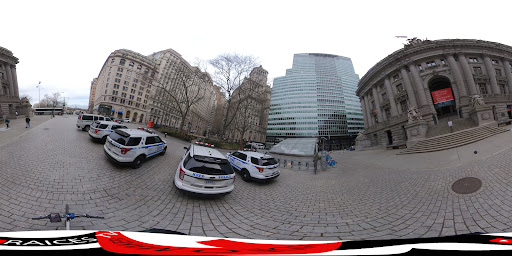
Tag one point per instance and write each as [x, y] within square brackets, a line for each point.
[436, 81]
[9, 94]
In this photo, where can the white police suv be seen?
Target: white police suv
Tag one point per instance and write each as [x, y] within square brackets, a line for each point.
[254, 165]
[101, 130]
[85, 120]
[204, 170]
[133, 146]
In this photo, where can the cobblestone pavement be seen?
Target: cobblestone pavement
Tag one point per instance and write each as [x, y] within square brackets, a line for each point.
[55, 164]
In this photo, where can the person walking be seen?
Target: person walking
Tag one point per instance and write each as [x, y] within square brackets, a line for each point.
[28, 122]
[315, 160]
[7, 121]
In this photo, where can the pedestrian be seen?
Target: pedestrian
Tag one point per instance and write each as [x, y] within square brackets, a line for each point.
[7, 121]
[16, 113]
[315, 160]
[28, 122]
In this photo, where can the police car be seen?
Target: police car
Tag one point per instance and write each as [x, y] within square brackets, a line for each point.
[254, 165]
[133, 146]
[101, 130]
[204, 170]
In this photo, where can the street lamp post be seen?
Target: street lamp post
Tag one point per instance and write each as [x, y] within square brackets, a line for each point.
[39, 87]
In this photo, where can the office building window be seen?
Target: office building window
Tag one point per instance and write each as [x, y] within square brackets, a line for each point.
[473, 59]
[477, 70]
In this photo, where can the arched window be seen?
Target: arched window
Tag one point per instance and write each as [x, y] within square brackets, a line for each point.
[131, 64]
[139, 67]
[112, 61]
[146, 71]
[122, 61]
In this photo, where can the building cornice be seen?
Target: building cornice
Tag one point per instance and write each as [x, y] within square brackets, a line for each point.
[7, 55]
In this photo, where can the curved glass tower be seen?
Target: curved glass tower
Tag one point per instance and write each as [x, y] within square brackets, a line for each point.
[316, 98]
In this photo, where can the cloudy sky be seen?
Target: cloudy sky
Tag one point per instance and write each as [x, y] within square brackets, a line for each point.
[64, 44]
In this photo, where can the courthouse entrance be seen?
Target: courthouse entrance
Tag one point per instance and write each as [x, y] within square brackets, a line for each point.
[442, 96]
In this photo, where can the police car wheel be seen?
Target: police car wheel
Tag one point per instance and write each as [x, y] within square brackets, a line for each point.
[245, 175]
[104, 139]
[163, 151]
[137, 162]
[87, 128]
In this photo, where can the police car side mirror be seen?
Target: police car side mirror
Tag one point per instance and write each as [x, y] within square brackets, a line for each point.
[185, 148]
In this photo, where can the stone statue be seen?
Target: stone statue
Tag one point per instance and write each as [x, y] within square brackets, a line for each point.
[360, 136]
[414, 114]
[477, 100]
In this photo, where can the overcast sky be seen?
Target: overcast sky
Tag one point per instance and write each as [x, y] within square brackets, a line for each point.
[64, 44]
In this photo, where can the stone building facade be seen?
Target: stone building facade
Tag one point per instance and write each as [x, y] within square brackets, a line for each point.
[124, 86]
[176, 75]
[435, 81]
[10, 102]
[92, 94]
[253, 100]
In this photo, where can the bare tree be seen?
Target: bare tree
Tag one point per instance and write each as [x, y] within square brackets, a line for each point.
[230, 71]
[178, 92]
[49, 100]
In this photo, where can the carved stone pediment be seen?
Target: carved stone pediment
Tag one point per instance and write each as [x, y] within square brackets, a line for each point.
[501, 80]
[481, 78]
[401, 95]
[385, 103]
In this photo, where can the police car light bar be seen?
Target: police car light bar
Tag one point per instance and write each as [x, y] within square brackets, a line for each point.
[205, 144]
[145, 129]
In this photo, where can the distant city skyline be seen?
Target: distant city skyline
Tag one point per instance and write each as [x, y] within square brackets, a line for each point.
[65, 48]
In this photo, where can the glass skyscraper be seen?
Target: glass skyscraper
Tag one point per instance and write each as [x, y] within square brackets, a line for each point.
[316, 98]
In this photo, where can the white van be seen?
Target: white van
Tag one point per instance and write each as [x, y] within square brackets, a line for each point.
[85, 120]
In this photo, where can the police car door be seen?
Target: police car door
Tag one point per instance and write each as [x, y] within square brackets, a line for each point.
[151, 149]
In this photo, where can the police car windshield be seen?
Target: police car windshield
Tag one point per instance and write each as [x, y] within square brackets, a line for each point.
[124, 138]
[268, 161]
[209, 165]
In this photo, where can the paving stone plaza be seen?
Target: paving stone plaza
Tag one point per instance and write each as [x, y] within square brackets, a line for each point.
[368, 195]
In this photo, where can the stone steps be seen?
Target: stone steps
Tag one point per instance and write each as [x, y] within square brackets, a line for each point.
[442, 127]
[453, 140]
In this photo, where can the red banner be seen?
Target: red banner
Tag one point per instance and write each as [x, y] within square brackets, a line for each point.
[442, 95]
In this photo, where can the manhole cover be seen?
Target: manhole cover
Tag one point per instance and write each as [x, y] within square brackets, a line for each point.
[46, 128]
[467, 185]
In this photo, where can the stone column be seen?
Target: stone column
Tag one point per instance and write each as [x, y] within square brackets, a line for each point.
[420, 89]
[363, 108]
[457, 74]
[15, 81]
[408, 87]
[368, 111]
[9, 78]
[391, 97]
[377, 105]
[508, 74]
[492, 75]
[470, 81]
